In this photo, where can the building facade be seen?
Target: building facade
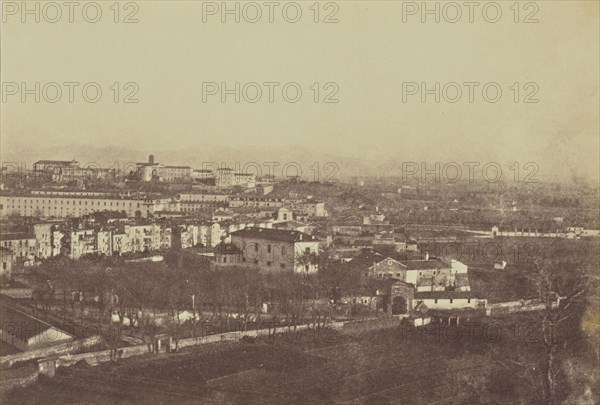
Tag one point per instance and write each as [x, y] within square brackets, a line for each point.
[47, 206]
[7, 261]
[313, 209]
[23, 246]
[277, 250]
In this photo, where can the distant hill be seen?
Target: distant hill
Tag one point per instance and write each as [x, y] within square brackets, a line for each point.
[208, 155]
[331, 166]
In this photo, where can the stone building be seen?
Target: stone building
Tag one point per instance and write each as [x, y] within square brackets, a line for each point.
[277, 250]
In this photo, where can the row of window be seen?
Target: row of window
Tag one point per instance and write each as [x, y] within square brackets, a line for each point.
[18, 202]
[398, 274]
[281, 265]
[452, 301]
[21, 243]
[205, 197]
[86, 194]
[270, 249]
[256, 204]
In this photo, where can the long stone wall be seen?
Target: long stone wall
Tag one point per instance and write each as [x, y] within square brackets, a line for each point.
[17, 293]
[95, 358]
[61, 357]
[517, 306]
[365, 325]
[7, 361]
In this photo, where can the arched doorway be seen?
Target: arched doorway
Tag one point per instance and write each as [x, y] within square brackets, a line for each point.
[399, 306]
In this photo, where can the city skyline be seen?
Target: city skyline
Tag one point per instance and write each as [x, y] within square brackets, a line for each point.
[310, 165]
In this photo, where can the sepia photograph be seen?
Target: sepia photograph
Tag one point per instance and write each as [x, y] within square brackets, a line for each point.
[300, 202]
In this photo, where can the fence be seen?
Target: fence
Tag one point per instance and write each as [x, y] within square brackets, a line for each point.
[17, 293]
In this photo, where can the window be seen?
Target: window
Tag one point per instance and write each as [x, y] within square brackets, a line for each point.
[269, 263]
[451, 300]
[269, 248]
[256, 247]
[282, 265]
[435, 301]
[469, 301]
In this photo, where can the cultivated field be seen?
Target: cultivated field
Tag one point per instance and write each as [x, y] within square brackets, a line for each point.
[431, 365]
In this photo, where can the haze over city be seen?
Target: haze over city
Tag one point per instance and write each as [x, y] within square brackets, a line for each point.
[174, 56]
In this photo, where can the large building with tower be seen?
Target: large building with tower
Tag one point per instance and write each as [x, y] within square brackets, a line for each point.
[151, 170]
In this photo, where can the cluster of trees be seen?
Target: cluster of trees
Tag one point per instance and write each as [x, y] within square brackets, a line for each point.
[140, 293]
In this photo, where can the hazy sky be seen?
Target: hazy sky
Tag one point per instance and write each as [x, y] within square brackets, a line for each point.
[369, 53]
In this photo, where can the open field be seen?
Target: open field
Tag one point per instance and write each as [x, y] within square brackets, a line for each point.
[432, 365]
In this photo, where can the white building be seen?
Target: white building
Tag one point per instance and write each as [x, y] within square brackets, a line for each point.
[155, 171]
[47, 206]
[313, 209]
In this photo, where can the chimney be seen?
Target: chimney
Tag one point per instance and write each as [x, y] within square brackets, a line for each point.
[151, 159]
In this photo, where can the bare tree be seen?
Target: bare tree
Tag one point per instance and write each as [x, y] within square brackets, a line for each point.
[558, 292]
